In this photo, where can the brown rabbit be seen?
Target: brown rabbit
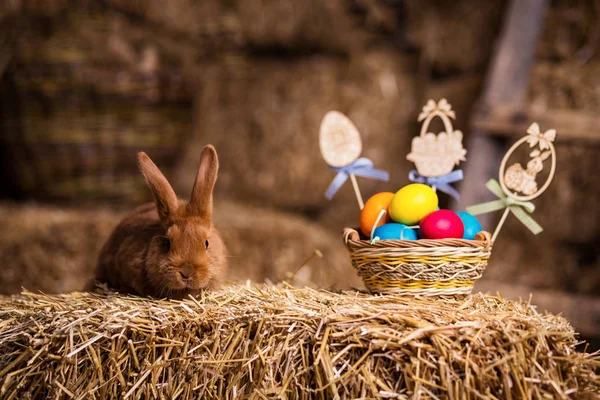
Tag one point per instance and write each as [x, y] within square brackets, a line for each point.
[169, 248]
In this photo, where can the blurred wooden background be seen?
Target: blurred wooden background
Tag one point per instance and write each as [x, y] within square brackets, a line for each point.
[87, 84]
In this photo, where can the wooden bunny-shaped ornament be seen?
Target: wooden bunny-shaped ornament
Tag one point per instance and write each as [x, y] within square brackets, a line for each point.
[523, 180]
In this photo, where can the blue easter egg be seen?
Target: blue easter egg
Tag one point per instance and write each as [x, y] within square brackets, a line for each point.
[472, 225]
[395, 231]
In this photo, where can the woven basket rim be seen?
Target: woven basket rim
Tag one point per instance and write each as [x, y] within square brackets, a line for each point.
[353, 242]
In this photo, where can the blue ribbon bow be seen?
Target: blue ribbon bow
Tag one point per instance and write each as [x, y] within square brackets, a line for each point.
[440, 182]
[361, 167]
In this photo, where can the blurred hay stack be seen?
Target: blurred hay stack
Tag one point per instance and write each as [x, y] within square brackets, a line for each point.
[55, 250]
[84, 92]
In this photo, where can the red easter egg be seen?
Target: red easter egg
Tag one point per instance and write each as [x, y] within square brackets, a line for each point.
[442, 224]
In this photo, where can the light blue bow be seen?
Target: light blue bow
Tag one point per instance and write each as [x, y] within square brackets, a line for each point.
[440, 182]
[361, 167]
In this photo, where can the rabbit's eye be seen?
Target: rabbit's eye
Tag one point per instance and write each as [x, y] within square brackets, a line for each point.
[166, 243]
[206, 244]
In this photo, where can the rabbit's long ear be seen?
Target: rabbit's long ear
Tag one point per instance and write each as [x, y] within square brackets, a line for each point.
[164, 195]
[201, 202]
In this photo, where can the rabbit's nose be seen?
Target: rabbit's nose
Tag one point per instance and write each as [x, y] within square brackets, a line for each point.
[184, 275]
[186, 272]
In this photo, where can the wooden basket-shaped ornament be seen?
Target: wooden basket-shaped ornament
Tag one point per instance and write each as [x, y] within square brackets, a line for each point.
[419, 267]
[436, 155]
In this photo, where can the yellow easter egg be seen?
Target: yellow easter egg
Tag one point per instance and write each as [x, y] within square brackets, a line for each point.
[412, 203]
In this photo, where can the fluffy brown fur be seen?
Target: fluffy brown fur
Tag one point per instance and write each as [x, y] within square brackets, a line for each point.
[168, 248]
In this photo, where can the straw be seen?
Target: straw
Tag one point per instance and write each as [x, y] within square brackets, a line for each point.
[284, 342]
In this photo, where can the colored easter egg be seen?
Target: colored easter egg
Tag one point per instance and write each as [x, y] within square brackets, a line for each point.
[471, 224]
[442, 224]
[395, 231]
[371, 210]
[412, 203]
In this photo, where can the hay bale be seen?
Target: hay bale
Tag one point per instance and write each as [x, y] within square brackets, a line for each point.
[266, 342]
[454, 36]
[33, 7]
[335, 26]
[445, 31]
[189, 19]
[55, 250]
[311, 25]
[275, 245]
[565, 75]
[566, 85]
[85, 90]
[570, 31]
[51, 250]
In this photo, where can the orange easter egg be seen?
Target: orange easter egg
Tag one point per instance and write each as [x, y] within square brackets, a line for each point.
[371, 210]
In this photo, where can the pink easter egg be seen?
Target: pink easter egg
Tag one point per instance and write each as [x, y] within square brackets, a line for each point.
[442, 224]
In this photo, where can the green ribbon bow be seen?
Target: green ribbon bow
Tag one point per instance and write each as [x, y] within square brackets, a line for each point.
[517, 207]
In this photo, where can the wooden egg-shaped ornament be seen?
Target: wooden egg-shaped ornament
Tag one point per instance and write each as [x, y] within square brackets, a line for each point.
[339, 140]
[371, 210]
[442, 224]
[520, 182]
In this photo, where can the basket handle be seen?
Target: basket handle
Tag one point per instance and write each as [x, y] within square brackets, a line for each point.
[431, 116]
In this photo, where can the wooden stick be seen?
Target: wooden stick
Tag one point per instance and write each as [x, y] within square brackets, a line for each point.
[361, 204]
[500, 223]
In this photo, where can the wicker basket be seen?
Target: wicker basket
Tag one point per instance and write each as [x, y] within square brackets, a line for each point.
[419, 267]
